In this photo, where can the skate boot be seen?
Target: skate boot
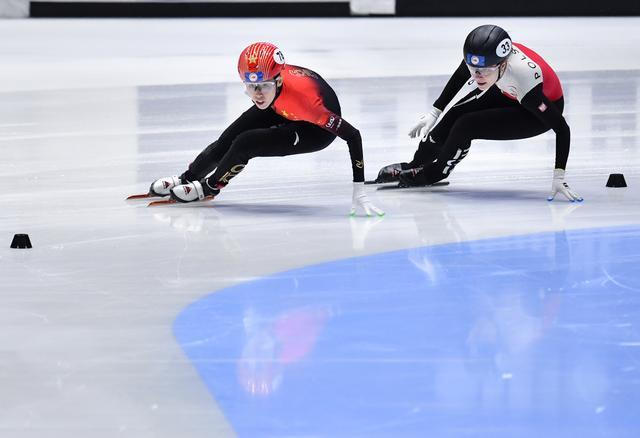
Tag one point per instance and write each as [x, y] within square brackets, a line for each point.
[390, 173]
[193, 191]
[163, 186]
[412, 178]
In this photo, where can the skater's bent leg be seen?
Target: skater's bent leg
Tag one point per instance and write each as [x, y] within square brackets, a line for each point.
[427, 152]
[209, 158]
[506, 123]
[432, 146]
[290, 139]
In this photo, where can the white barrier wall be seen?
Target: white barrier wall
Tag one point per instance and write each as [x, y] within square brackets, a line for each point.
[373, 7]
[14, 8]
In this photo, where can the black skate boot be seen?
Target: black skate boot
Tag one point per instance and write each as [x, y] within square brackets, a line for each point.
[390, 173]
[412, 178]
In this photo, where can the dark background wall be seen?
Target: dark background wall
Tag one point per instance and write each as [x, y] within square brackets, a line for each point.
[179, 8]
[441, 8]
[302, 8]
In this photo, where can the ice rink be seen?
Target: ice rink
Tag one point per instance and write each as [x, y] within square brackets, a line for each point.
[478, 309]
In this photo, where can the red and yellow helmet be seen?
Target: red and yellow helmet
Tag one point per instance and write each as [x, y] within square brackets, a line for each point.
[260, 62]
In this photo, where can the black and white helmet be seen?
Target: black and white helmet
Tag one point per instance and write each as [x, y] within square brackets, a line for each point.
[487, 45]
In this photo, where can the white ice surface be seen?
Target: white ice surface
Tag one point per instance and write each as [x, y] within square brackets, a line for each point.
[46, 54]
[86, 347]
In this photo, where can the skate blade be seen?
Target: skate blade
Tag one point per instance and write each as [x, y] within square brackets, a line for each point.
[173, 201]
[373, 181]
[397, 187]
[140, 196]
[163, 202]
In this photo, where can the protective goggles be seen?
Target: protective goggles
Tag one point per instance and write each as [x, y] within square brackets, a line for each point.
[264, 86]
[482, 71]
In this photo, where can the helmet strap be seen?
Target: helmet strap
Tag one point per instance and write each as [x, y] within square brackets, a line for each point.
[502, 68]
[278, 80]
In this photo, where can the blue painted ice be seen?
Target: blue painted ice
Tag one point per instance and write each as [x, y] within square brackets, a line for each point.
[529, 335]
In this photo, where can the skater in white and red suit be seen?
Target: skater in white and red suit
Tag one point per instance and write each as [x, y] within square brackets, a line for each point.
[514, 94]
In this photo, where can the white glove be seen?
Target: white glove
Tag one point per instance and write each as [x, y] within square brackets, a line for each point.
[559, 186]
[425, 123]
[360, 199]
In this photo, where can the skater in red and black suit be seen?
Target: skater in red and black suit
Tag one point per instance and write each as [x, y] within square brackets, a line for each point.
[513, 94]
[295, 112]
